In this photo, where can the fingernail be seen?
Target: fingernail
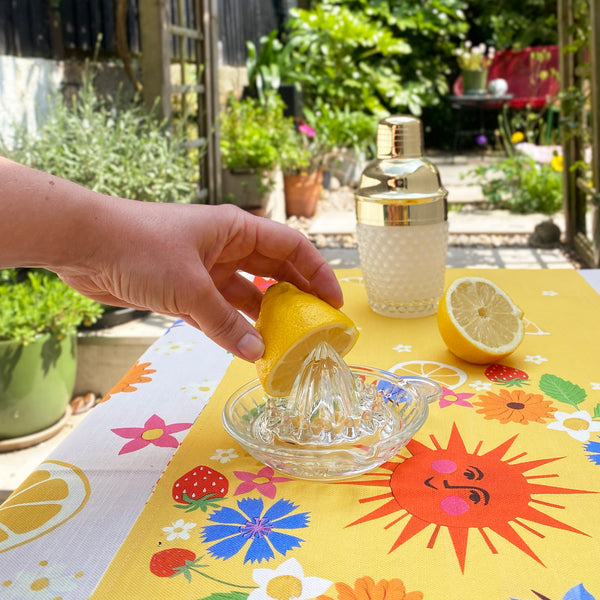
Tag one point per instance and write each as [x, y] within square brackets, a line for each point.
[251, 347]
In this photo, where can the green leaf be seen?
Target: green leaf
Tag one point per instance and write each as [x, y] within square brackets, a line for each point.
[227, 596]
[596, 411]
[562, 390]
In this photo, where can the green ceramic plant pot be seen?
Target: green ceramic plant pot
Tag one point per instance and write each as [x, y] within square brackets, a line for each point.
[36, 383]
[474, 81]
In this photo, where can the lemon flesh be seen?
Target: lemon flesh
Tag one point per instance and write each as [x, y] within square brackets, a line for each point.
[478, 321]
[292, 323]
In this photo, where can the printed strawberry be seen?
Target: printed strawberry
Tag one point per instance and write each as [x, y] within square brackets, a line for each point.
[171, 561]
[176, 561]
[508, 376]
[201, 488]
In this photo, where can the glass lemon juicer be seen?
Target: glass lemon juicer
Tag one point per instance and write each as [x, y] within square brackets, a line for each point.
[338, 421]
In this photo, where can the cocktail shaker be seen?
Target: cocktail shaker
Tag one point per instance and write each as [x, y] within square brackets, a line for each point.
[402, 223]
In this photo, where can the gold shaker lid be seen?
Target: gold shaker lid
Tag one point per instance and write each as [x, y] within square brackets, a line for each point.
[399, 136]
[401, 187]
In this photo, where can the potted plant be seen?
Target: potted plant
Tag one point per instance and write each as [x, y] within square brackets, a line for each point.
[303, 175]
[329, 140]
[253, 135]
[474, 62]
[39, 316]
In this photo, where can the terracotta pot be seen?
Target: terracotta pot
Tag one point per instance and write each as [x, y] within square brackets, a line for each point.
[302, 192]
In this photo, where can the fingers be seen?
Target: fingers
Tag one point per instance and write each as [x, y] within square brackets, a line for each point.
[242, 294]
[221, 322]
[285, 254]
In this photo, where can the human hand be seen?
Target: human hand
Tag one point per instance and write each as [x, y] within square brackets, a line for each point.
[183, 260]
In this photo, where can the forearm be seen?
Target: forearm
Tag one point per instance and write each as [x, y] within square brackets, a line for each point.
[46, 221]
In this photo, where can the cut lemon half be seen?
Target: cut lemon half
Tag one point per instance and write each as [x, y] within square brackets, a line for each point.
[292, 323]
[478, 321]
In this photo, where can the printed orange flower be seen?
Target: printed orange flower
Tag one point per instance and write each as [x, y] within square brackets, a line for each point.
[365, 588]
[137, 374]
[516, 406]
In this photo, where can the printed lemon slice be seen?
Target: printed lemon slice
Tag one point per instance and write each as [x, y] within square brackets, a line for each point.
[292, 323]
[51, 495]
[446, 375]
[478, 321]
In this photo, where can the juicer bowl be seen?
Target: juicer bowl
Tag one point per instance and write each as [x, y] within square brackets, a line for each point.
[407, 398]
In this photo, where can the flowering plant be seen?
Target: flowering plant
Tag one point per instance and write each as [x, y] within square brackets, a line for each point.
[305, 154]
[324, 134]
[474, 58]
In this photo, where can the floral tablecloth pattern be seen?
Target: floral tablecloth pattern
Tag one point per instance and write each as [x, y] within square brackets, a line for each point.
[496, 497]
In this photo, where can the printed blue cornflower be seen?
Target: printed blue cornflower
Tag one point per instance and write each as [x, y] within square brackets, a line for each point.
[391, 392]
[578, 593]
[236, 528]
[594, 452]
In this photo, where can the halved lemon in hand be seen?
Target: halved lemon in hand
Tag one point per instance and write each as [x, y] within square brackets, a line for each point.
[292, 323]
[478, 321]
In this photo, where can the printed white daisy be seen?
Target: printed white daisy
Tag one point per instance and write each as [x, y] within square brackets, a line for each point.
[201, 390]
[48, 582]
[578, 425]
[402, 348]
[224, 456]
[549, 293]
[595, 385]
[536, 359]
[179, 529]
[481, 386]
[173, 347]
[287, 582]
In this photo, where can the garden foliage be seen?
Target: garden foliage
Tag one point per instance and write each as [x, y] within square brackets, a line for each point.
[521, 185]
[41, 303]
[124, 152]
[378, 57]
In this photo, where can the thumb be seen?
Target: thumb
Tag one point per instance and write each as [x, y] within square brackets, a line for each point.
[227, 327]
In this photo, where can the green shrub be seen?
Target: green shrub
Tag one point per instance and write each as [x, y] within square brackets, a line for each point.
[123, 152]
[41, 303]
[255, 133]
[521, 185]
[375, 57]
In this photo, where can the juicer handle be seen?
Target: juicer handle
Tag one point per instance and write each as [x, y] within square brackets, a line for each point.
[428, 389]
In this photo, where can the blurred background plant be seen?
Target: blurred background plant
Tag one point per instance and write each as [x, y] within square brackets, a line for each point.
[474, 57]
[521, 185]
[376, 58]
[255, 133]
[390, 57]
[513, 24]
[35, 302]
[110, 147]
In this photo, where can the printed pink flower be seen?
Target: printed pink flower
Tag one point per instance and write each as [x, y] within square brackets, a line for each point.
[155, 431]
[450, 397]
[263, 482]
[307, 130]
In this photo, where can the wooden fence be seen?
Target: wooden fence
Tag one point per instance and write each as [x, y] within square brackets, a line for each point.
[69, 28]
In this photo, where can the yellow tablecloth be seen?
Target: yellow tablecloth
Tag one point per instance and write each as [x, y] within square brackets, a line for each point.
[496, 497]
